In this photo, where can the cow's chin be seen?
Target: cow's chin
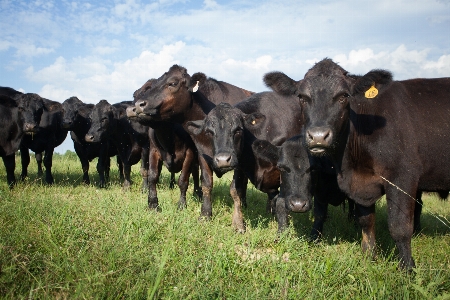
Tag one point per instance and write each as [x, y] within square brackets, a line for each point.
[145, 117]
[31, 132]
[318, 151]
[221, 171]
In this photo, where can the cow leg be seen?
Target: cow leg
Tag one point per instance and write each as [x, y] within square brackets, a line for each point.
[25, 158]
[195, 177]
[271, 206]
[120, 166]
[154, 170]
[144, 167]
[38, 157]
[48, 157]
[417, 212]
[79, 149]
[103, 160]
[172, 180]
[127, 175]
[366, 219]
[320, 215]
[10, 165]
[281, 213]
[183, 180]
[237, 186]
[400, 221]
[207, 185]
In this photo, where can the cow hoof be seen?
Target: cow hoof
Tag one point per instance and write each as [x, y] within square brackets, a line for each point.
[154, 207]
[182, 205]
[204, 218]
[240, 228]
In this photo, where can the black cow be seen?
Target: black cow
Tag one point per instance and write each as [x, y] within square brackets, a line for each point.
[382, 136]
[76, 119]
[11, 133]
[302, 178]
[177, 98]
[43, 131]
[225, 137]
[15, 94]
[109, 125]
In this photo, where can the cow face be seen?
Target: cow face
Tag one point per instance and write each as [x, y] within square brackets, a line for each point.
[296, 177]
[223, 128]
[166, 97]
[102, 122]
[70, 108]
[31, 107]
[323, 95]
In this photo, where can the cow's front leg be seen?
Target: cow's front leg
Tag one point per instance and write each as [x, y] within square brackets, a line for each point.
[48, 162]
[38, 157]
[154, 170]
[25, 159]
[401, 223]
[183, 180]
[366, 219]
[207, 185]
[236, 191]
[10, 165]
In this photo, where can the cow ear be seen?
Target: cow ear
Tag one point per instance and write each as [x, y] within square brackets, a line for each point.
[193, 86]
[195, 127]
[254, 120]
[199, 77]
[264, 150]
[281, 83]
[371, 82]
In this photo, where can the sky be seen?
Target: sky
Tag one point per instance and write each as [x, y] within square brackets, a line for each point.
[107, 49]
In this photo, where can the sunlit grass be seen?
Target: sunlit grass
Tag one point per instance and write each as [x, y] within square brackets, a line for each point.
[76, 241]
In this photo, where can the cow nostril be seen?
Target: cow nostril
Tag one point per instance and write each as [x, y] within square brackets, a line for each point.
[142, 104]
[310, 137]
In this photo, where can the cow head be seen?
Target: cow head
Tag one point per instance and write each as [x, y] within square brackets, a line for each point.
[325, 94]
[31, 107]
[71, 108]
[167, 97]
[223, 130]
[103, 122]
[296, 180]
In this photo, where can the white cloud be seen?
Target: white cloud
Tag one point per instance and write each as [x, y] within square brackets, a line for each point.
[403, 63]
[32, 50]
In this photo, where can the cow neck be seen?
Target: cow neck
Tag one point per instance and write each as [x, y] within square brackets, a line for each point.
[199, 107]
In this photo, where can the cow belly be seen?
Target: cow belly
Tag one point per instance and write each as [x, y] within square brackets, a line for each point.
[363, 188]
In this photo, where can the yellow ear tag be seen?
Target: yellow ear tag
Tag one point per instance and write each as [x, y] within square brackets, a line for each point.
[195, 88]
[253, 122]
[372, 92]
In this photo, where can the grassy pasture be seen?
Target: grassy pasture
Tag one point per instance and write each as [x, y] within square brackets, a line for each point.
[71, 241]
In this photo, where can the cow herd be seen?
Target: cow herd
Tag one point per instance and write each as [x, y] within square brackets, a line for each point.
[332, 136]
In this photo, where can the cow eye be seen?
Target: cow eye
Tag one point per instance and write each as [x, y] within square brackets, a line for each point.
[20, 108]
[209, 132]
[173, 84]
[343, 98]
[238, 132]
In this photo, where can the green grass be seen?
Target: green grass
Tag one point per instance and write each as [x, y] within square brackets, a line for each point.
[81, 242]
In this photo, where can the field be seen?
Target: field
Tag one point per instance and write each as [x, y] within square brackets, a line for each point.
[72, 241]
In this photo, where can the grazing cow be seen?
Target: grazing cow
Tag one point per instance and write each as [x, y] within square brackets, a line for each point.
[225, 137]
[109, 125]
[76, 119]
[11, 132]
[382, 136]
[43, 131]
[176, 98]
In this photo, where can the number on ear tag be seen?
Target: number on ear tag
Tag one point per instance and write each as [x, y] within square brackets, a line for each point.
[371, 93]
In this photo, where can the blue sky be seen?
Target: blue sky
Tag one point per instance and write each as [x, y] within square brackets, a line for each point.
[107, 49]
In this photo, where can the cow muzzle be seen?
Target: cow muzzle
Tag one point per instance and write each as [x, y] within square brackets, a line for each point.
[89, 138]
[319, 139]
[223, 161]
[297, 205]
[30, 128]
